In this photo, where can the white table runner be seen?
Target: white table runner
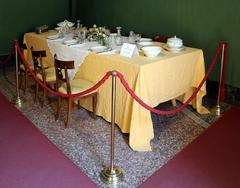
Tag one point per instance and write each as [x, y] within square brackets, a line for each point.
[77, 53]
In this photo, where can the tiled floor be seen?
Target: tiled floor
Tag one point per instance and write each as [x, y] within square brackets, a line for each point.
[86, 143]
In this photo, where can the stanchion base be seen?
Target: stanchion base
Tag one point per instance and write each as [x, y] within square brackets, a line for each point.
[217, 110]
[17, 101]
[112, 177]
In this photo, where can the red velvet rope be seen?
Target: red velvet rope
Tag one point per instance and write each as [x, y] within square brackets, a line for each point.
[222, 90]
[95, 87]
[8, 57]
[125, 84]
[131, 92]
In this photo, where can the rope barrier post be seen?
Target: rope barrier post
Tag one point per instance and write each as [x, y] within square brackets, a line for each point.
[17, 101]
[217, 109]
[112, 174]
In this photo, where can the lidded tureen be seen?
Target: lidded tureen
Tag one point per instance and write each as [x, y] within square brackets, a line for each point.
[174, 42]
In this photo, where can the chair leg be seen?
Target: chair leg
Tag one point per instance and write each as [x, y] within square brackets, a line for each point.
[36, 92]
[173, 101]
[20, 79]
[94, 103]
[79, 104]
[69, 112]
[58, 107]
[44, 97]
[25, 81]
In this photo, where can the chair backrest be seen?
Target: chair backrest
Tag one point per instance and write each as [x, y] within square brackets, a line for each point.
[38, 63]
[23, 48]
[160, 38]
[61, 69]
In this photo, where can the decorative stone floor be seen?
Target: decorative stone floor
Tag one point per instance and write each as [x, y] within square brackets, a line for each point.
[87, 141]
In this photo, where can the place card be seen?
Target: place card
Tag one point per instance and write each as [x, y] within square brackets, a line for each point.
[129, 50]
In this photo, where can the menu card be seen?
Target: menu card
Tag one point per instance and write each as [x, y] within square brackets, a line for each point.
[129, 50]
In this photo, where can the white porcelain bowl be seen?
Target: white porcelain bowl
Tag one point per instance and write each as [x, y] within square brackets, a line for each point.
[151, 51]
[174, 42]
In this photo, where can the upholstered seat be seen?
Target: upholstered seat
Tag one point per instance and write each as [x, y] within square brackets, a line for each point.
[30, 63]
[49, 73]
[77, 86]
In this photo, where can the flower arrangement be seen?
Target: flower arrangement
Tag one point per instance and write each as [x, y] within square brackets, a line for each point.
[97, 33]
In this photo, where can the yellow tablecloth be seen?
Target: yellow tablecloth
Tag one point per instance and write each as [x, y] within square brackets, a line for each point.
[154, 80]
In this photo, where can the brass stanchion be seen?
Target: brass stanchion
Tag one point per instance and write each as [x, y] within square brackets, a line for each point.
[217, 108]
[17, 101]
[112, 174]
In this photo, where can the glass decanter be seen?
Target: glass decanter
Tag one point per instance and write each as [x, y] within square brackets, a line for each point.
[119, 39]
[131, 37]
[77, 30]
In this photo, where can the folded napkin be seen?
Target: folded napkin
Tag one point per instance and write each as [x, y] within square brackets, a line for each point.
[58, 39]
[77, 45]
[115, 51]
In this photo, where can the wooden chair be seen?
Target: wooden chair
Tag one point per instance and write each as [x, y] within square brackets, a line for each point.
[24, 74]
[46, 75]
[160, 38]
[67, 86]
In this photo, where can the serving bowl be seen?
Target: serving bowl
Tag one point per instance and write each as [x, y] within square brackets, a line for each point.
[151, 51]
[174, 42]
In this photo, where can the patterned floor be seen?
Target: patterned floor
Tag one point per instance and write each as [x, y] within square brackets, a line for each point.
[87, 144]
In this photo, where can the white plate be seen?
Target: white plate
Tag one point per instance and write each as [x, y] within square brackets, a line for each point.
[53, 37]
[145, 40]
[70, 42]
[166, 47]
[147, 43]
[98, 49]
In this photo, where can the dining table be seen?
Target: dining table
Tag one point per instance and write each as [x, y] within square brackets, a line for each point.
[170, 75]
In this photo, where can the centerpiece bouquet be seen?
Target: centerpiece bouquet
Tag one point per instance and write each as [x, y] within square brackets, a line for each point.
[98, 34]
